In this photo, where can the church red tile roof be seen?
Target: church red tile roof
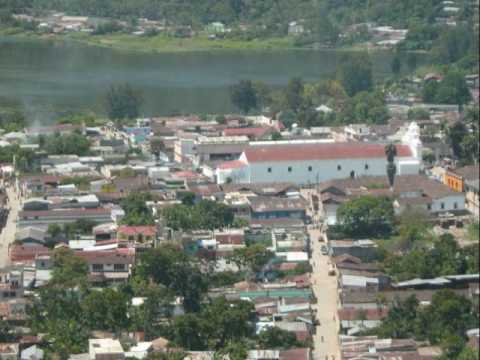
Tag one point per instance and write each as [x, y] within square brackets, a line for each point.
[301, 152]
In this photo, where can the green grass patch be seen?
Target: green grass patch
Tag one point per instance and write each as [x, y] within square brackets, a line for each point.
[162, 43]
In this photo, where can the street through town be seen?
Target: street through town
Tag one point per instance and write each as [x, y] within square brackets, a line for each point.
[325, 290]
[324, 286]
[7, 235]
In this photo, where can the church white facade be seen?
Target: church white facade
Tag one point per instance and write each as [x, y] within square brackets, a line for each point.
[303, 162]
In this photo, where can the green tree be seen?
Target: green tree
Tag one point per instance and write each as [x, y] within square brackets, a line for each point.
[396, 65]
[369, 107]
[244, 96]
[391, 153]
[468, 354]
[213, 215]
[418, 114]
[157, 307]
[56, 312]
[178, 217]
[294, 94]
[413, 228]
[412, 61]
[205, 214]
[253, 257]
[452, 346]
[263, 94]
[276, 338]
[12, 116]
[457, 133]
[54, 230]
[430, 91]
[355, 73]
[171, 267]
[71, 144]
[123, 102]
[401, 319]
[106, 309]
[366, 216]
[236, 350]
[69, 270]
[136, 210]
[189, 332]
[453, 44]
[228, 321]
[449, 315]
[453, 89]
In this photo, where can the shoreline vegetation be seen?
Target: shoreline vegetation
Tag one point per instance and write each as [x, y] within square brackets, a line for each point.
[169, 44]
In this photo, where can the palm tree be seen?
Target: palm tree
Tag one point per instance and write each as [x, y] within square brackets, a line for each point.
[391, 152]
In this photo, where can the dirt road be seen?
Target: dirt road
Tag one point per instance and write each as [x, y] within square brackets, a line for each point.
[325, 340]
[7, 235]
[325, 289]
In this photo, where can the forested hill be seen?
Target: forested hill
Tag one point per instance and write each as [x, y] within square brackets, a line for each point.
[399, 13]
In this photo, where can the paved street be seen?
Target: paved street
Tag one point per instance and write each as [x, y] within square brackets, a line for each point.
[8, 233]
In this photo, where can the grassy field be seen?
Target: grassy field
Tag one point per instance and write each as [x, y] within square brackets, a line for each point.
[164, 44]
[161, 43]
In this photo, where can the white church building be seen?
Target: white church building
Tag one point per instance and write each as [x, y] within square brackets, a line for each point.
[309, 162]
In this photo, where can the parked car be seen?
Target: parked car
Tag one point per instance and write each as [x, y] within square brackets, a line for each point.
[324, 250]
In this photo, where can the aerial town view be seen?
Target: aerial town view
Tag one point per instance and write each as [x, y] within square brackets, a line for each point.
[239, 180]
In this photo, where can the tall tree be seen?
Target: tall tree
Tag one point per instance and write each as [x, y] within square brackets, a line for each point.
[123, 102]
[244, 96]
[396, 65]
[453, 89]
[171, 267]
[294, 94]
[355, 73]
[391, 153]
[69, 270]
[366, 216]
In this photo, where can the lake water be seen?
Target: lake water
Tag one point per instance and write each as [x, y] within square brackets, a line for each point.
[48, 76]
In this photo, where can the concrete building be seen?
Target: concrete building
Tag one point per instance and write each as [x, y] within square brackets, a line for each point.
[63, 216]
[105, 349]
[465, 179]
[225, 148]
[410, 192]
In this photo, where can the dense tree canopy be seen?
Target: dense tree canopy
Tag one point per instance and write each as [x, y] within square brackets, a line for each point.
[253, 257]
[136, 210]
[445, 321]
[355, 72]
[12, 117]
[24, 159]
[204, 215]
[452, 89]
[70, 144]
[216, 325]
[366, 107]
[170, 266]
[276, 338]
[445, 258]
[366, 216]
[243, 96]
[123, 102]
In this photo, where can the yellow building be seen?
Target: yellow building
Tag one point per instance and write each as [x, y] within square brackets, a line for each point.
[465, 179]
